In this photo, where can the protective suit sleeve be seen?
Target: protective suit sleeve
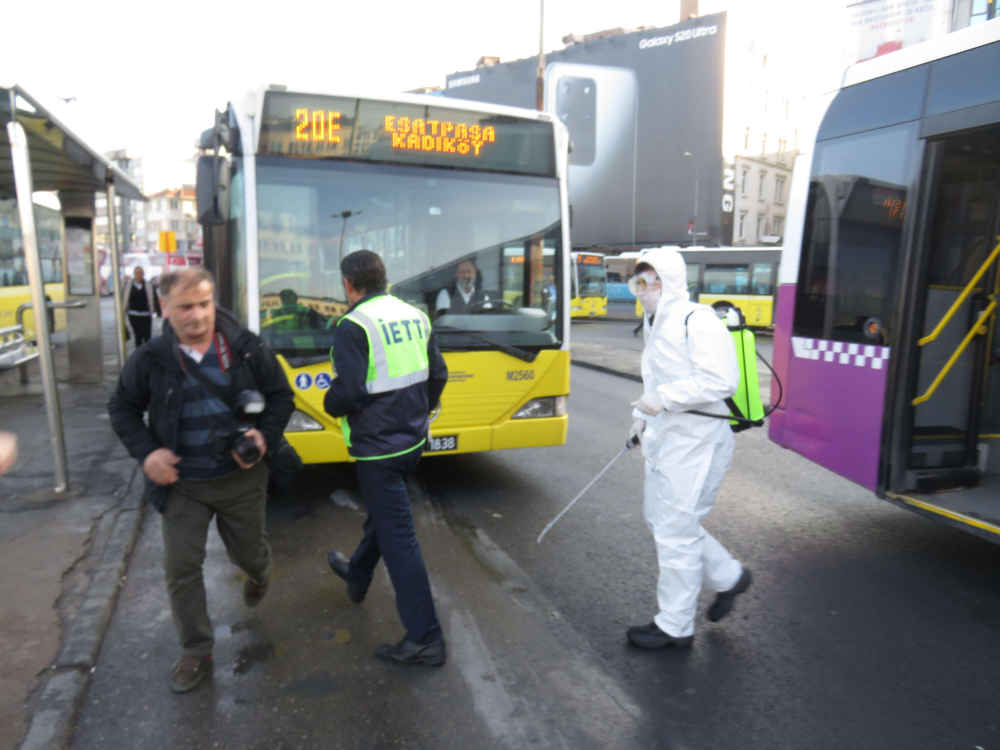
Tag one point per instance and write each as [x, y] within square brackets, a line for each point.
[715, 374]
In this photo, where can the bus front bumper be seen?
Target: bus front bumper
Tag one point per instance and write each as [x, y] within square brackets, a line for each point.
[327, 446]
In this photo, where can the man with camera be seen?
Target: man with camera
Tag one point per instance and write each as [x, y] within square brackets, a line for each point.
[390, 375]
[217, 400]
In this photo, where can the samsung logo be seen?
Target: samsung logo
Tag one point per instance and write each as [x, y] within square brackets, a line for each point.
[463, 81]
[678, 36]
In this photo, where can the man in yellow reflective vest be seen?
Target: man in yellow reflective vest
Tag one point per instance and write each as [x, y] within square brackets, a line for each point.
[390, 375]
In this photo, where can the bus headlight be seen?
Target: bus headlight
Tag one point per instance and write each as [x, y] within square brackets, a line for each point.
[551, 406]
[302, 422]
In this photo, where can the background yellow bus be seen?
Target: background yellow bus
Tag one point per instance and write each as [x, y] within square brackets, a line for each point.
[13, 274]
[442, 190]
[743, 277]
[590, 285]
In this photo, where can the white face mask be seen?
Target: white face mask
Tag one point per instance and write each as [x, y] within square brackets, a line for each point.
[466, 285]
[649, 300]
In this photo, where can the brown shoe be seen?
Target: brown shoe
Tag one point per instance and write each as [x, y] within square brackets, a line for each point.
[253, 592]
[190, 670]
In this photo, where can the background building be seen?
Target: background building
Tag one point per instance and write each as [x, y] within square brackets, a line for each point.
[173, 211]
[129, 219]
[759, 198]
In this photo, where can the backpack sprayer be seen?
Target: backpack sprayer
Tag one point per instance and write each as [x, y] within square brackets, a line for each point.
[745, 407]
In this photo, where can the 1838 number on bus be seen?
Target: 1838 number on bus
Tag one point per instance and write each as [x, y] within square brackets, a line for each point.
[443, 443]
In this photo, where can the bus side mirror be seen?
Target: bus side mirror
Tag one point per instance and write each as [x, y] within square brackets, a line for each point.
[212, 190]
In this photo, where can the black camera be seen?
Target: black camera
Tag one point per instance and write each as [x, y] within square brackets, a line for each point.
[248, 405]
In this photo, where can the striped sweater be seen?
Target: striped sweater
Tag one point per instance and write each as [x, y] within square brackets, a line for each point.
[203, 418]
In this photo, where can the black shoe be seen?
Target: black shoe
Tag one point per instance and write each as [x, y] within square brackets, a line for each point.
[650, 636]
[408, 652]
[253, 592]
[340, 565]
[725, 600]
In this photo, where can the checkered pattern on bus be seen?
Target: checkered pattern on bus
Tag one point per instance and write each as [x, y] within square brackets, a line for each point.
[859, 355]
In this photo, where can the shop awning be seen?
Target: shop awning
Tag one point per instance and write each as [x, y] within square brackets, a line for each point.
[59, 159]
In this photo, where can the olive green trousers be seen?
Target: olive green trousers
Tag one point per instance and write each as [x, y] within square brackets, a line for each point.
[238, 503]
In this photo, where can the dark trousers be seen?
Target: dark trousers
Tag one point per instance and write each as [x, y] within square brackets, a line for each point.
[389, 534]
[142, 327]
[238, 502]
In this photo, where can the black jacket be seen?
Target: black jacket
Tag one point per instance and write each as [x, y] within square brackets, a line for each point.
[381, 423]
[152, 379]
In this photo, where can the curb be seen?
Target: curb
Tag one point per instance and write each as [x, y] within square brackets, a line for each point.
[606, 370]
[54, 719]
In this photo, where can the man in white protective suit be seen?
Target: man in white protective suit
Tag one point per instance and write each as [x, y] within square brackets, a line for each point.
[688, 363]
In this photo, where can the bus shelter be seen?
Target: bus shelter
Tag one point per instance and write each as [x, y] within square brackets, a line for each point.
[38, 153]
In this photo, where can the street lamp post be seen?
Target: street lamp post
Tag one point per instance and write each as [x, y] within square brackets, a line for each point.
[697, 175]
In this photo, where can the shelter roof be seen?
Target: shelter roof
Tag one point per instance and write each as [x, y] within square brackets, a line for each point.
[60, 160]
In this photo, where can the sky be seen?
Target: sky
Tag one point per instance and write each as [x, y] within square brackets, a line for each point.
[148, 76]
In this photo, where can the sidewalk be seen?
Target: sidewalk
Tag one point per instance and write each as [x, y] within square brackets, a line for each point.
[61, 556]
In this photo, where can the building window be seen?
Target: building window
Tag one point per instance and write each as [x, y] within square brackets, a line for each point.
[175, 226]
[742, 229]
[760, 187]
[778, 225]
[980, 11]
[175, 205]
[743, 182]
[189, 207]
[760, 226]
[779, 189]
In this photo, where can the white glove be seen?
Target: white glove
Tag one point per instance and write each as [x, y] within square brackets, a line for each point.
[649, 403]
[635, 433]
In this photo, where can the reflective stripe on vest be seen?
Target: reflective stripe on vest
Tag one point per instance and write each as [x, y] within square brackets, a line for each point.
[397, 342]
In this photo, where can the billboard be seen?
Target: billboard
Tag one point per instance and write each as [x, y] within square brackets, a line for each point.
[634, 104]
[878, 27]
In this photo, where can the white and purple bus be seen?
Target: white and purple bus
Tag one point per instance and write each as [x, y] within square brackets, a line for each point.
[886, 336]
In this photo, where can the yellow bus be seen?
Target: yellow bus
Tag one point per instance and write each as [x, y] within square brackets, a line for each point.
[13, 274]
[465, 203]
[590, 285]
[743, 277]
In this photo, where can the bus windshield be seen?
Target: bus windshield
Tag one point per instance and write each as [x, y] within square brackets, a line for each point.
[478, 252]
[590, 276]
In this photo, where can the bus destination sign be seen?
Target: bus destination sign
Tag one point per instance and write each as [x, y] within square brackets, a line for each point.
[309, 126]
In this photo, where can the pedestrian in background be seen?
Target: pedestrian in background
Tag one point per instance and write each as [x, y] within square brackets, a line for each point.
[688, 363]
[142, 304]
[189, 379]
[390, 375]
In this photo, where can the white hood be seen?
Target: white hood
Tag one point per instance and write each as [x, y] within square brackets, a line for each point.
[669, 266]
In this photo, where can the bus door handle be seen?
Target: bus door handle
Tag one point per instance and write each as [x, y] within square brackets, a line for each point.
[978, 329]
[961, 298]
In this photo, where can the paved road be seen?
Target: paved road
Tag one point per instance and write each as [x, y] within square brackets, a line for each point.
[618, 333]
[867, 627]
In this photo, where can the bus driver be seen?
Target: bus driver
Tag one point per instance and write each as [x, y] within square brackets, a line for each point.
[465, 295]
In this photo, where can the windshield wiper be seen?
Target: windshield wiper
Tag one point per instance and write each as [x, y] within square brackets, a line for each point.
[514, 351]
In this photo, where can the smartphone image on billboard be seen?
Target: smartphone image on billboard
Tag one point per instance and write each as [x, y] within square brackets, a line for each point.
[598, 104]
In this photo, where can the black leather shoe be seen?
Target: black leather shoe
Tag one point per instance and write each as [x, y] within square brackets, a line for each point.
[650, 636]
[725, 600]
[340, 565]
[408, 652]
